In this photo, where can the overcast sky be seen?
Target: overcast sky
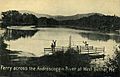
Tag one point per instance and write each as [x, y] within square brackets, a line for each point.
[63, 7]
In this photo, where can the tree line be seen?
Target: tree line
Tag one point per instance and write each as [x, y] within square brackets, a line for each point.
[93, 22]
[13, 17]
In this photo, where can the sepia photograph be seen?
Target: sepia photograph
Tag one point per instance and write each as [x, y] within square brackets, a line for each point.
[59, 38]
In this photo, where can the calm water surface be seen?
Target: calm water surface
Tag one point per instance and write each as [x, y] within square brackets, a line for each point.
[43, 38]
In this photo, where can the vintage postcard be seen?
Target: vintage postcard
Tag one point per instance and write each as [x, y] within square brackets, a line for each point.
[59, 38]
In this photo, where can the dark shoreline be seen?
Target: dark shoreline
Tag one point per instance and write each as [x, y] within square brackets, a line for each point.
[77, 28]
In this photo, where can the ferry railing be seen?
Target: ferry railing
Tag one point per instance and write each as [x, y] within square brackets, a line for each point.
[79, 49]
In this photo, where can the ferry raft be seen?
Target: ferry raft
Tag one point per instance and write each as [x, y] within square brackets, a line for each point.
[91, 51]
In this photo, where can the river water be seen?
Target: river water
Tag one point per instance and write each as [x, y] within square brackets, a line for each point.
[27, 40]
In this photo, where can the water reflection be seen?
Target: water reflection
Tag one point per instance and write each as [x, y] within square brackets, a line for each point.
[12, 34]
[42, 37]
[100, 37]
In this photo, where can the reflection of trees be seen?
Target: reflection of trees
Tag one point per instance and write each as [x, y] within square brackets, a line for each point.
[3, 51]
[95, 36]
[116, 38]
[5, 57]
[101, 37]
[15, 34]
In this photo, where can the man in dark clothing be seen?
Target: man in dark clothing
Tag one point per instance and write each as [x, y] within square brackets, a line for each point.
[54, 42]
[52, 47]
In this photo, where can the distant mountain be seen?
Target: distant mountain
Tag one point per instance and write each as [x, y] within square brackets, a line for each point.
[60, 17]
[34, 13]
[75, 17]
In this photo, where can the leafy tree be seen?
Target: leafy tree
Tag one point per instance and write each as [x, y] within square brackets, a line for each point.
[13, 17]
[115, 61]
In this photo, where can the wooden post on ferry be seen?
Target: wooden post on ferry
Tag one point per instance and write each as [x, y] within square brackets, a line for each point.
[103, 52]
[80, 50]
[70, 42]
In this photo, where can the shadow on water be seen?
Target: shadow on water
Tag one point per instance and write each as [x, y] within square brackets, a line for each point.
[12, 34]
[100, 37]
[6, 55]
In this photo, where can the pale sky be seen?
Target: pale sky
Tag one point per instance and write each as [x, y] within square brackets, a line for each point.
[63, 7]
